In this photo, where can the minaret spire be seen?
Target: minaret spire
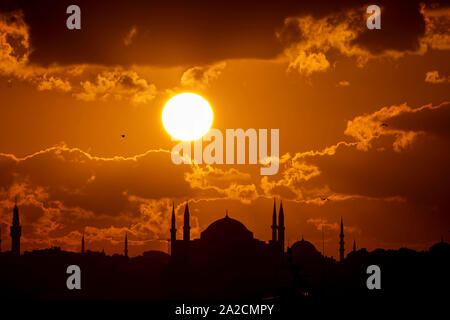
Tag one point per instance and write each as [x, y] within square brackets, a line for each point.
[281, 227]
[341, 242]
[15, 230]
[323, 241]
[82, 243]
[173, 231]
[125, 251]
[274, 222]
[354, 245]
[186, 226]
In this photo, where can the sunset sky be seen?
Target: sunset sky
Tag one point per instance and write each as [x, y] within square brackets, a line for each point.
[364, 120]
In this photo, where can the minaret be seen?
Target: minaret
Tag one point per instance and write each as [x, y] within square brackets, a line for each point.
[0, 238]
[82, 243]
[281, 227]
[186, 226]
[173, 231]
[15, 231]
[354, 245]
[274, 222]
[341, 242]
[125, 251]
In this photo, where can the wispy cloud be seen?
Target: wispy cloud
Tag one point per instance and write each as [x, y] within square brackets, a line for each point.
[202, 76]
[434, 77]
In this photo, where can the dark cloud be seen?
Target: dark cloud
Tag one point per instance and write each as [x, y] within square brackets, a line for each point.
[432, 121]
[402, 26]
[195, 32]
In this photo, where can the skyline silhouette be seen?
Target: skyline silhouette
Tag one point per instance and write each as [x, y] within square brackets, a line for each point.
[277, 227]
[226, 262]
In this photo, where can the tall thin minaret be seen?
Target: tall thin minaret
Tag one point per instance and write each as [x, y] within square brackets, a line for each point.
[173, 231]
[341, 242]
[15, 230]
[82, 243]
[354, 245]
[125, 251]
[186, 226]
[281, 227]
[323, 241]
[274, 222]
[0, 238]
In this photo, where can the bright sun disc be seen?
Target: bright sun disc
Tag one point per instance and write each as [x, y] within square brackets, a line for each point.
[187, 116]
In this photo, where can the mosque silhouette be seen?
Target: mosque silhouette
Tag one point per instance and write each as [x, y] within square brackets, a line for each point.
[228, 238]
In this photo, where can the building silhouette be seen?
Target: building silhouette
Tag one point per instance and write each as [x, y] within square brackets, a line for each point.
[303, 252]
[82, 243]
[173, 229]
[281, 227]
[0, 238]
[274, 222]
[15, 231]
[221, 233]
[226, 238]
[225, 262]
[125, 251]
[341, 242]
[186, 225]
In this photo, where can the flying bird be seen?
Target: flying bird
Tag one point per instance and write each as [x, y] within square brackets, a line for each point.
[122, 135]
[325, 199]
[384, 124]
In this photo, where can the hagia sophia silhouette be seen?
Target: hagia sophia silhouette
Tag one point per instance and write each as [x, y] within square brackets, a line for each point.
[228, 235]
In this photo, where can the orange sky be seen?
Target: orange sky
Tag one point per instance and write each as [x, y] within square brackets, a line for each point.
[313, 72]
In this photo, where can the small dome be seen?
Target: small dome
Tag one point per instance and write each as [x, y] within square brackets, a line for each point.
[440, 247]
[226, 229]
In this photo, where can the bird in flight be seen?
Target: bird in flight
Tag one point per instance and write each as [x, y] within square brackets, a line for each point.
[122, 135]
[384, 124]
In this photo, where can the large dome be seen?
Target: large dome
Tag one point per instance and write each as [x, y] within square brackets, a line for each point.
[226, 229]
[304, 251]
[304, 246]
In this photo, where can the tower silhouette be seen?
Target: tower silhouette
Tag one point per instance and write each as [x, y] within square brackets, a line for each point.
[341, 242]
[173, 230]
[281, 227]
[354, 245]
[15, 230]
[186, 226]
[82, 243]
[274, 222]
[125, 251]
[0, 238]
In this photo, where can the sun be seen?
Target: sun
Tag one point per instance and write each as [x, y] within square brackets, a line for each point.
[187, 116]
